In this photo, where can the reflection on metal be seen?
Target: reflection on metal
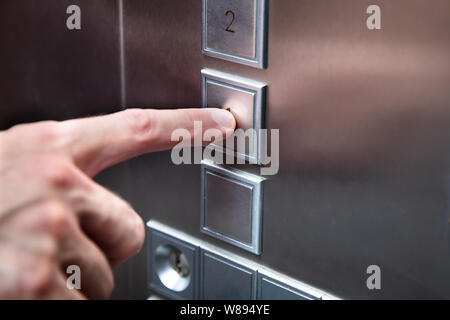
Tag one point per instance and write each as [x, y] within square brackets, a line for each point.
[220, 274]
[235, 30]
[228, 207]
[172, 267]
[245, 98]
[172, 263]
[231, 203]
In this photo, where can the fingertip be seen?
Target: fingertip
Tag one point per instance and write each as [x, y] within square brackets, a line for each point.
[140, 233]
[132, 243]
[229, 132]
[224, 120]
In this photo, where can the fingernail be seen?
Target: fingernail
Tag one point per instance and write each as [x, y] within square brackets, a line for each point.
[224, 119]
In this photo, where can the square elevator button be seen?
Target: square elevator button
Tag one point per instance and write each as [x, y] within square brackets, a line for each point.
[232, 206]
[272, 286]
[230, 199]
[224, 278]
[235, 30]
[245, 98]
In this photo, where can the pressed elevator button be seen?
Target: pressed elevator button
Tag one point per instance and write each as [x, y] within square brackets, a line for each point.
[245, 99]
[239, 101]
[235, 30]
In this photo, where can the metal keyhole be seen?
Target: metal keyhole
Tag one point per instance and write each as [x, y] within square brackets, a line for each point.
[179, 263]
[172, 267]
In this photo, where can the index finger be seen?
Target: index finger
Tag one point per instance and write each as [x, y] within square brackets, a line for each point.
[100, 142]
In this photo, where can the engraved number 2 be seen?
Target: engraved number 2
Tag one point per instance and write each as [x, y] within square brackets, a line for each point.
[232, 20]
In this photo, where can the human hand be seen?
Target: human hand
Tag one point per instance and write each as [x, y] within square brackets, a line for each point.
[52, 214]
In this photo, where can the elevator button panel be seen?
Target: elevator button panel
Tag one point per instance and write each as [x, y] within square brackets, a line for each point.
[235, 30]
[245, 99]
[225, 279]
[209, 272]
[232, 206]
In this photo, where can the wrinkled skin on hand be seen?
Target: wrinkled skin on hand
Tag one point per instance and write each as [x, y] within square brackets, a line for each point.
[52, 214]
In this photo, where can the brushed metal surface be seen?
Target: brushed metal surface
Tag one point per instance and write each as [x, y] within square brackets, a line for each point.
[225, 279]
[364, 133]
[364, 122]
[235, 30]
[50, 72]
[270, 288]
[232, 203]
[232, 267]
[228, 207]
[231, 26]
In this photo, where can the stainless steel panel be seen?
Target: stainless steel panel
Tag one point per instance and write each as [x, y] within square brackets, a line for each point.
[172, 263]
[364, 123]
[228, 207]
[245, 98]
[235, 30]
[364, 118]
[271, 290]
[232, 206]
[237, 275]
[224, 279]
[51, 73]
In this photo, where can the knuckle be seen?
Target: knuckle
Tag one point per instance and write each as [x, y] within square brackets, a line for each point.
[58, 172]
[137, 227]
[57, 218]
[140, 122]
[44, 130]
[132, 242]
[136, 242]
[49, 170]
[41, 280]
[49, 130]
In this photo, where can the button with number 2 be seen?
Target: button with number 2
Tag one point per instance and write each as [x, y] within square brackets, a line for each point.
[235, 30]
